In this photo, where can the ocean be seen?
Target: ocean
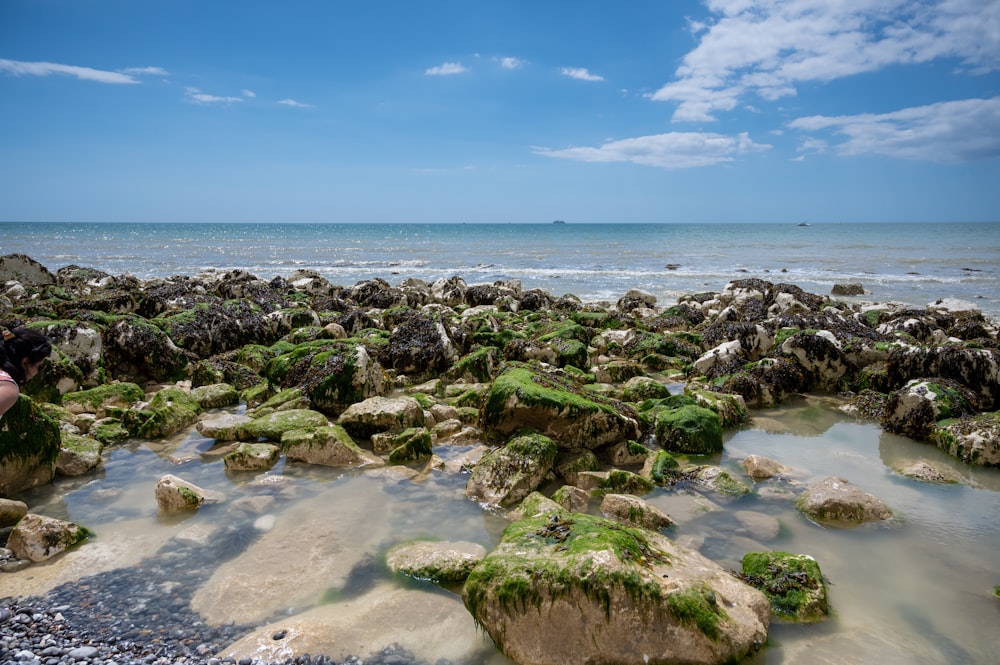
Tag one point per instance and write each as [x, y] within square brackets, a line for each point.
[911, 263]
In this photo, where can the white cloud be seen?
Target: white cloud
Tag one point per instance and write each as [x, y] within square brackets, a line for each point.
[47, 68]
[295, 104]
[581, 74]
[768, 47]
[198, 97]
[146, 71]
[446, 69]
[958, 131]
[510, 63]
[674, 150]
[250, 94]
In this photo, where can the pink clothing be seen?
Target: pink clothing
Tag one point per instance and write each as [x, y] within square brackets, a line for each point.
[4, 376]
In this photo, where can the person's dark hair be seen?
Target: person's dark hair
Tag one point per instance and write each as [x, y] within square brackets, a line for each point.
[21, 343]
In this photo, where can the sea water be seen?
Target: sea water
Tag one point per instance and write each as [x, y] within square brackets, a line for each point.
[911, 263]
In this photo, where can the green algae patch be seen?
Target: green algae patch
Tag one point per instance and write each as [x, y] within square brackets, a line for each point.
[620, 481]
[522, 398]
[479, 365]
[792, 583]
[697, 607]
[555, 551]
[95, 400]
[665, 469]
[272, 426]
[27, 433]
[172, 410]
[690, 429]
[412, 444]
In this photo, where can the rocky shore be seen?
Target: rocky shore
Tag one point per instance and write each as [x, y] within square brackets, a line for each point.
[605, 401]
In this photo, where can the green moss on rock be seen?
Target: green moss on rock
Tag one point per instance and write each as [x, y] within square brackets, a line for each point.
[792, 583]
[692, 430]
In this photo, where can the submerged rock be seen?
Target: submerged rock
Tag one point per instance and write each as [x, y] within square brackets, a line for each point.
[437, 561]
[836, 502]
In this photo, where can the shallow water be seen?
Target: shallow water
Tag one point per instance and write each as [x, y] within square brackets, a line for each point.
[917, 591]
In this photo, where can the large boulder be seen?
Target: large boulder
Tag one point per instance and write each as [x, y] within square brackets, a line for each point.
[421, 345]
[25, 270]
[522, 398]
[820, 357]
[974, 440]
[273, 426]
[689, 429]
[37, 537]
[915, 409]
[334, 374]
[82, 344]
[381, 414]
[326, 446]
[506, 475]
[835, 502]
[977, 369]
[137, 349]
[29, 444]
[574, 588]
[209, 328]
[97, 400]
[170, 411]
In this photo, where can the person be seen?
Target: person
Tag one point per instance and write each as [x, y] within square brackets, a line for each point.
[22, 352]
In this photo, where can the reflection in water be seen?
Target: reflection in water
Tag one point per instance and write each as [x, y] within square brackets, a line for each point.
[917, 591]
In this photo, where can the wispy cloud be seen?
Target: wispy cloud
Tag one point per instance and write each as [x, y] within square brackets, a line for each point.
[766, 48]
[959, 131]
[295, 104]
[249, 94]
[580, 73]
[674, 150]
[446, 69]
[146, 71]
[198, 97]
[510, 62]
[48, 68]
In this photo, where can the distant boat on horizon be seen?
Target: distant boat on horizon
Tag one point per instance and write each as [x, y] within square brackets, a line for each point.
[558, 221]
[804, 224]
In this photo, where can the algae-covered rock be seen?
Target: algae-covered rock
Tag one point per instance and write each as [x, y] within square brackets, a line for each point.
[174, 494]
[273, 426]
[381, 414]
[410, 445]
[974, 440]
[718, 480]
[171, 410]
[326, 446]
[915, 409]
[78, 454]
[252, 457]
[29, 444]
[633, 511]
[574, 588]
[506, 475]
[215, 396]
[334, 374]
[976, 369]
[134, 347]
[792, 583]
[37, 537]
[521, 398]
[437, 561]
[96, 400]
[662, 468]
[689, 429]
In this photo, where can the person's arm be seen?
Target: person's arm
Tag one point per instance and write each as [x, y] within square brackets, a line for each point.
[8, 395]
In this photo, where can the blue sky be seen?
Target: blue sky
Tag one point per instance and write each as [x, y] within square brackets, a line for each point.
[500, 111]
